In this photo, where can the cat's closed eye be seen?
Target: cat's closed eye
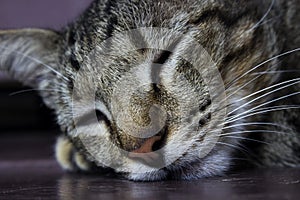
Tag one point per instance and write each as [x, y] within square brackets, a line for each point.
[89, 118]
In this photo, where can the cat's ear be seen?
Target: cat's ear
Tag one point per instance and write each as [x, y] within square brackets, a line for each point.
[29, 55]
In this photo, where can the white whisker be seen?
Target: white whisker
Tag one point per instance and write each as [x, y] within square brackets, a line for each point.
[248, 139]
[260, 112]
[275, 72]
[266, 94]
[240, 88]
[269, 20]
[278, 107]
[264, 17]
[264, 62]
[32, 90]
[37, 61]
[234, 147]
[251, 131]
[266, 103]
[255, 124]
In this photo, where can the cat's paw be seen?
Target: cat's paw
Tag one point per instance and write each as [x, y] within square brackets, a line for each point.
[68, 157]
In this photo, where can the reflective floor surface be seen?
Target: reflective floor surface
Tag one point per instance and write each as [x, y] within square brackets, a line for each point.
[28, 171]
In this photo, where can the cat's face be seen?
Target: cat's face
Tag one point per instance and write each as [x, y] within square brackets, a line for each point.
[144, 109]
[155, 102]
[150, 102]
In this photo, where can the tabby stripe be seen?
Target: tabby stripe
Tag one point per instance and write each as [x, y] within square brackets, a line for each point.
[239, 54]
[227, 20]
[71, 42]
[71, 38]
[158, 61]
[112, 19]
[74, 62]
[71, 85]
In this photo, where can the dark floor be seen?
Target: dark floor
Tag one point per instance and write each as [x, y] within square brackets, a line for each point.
[28, 171]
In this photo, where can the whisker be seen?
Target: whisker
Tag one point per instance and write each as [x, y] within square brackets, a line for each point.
[234, 147]
[248, 139]
[242, 149]
[297, 80]
[230, 85]
[272, 19]
[279, 107]
[32, 90]
[240, 88]
[251, 131]
[266, 94]
[264, 17]
[275, 72]
[262, 63]
[256, 124]
[260, 112]
[258, 74]
[266, 103]
[37, 61]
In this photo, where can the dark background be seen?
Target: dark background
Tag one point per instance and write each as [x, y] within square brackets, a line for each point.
[25, 111]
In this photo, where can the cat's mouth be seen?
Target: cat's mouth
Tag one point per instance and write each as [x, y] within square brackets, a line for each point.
[153, 143]
[148, 151]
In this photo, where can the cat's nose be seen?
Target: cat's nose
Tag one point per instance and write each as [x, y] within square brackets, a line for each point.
[146, 152]
[148, 145]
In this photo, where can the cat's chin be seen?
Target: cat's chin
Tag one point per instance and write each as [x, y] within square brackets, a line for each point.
[215, 164]
[149, 176]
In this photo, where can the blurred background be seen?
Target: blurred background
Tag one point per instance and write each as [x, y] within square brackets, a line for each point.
[22, 112]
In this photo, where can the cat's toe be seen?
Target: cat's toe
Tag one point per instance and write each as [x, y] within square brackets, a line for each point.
[68, 157]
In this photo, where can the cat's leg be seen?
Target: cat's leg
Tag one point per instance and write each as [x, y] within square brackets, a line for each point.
[68, 157]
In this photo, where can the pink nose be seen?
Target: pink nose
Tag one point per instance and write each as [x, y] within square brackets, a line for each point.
[145, 152]
[147, 145]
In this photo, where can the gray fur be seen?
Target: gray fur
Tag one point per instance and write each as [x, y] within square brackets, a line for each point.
[90, 58]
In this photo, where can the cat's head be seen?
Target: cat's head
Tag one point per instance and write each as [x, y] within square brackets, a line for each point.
[150, 92]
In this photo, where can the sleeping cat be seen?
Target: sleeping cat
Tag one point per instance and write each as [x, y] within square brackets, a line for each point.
[166, 88]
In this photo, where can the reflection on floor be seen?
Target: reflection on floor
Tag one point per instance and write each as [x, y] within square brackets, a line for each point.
[32, 173]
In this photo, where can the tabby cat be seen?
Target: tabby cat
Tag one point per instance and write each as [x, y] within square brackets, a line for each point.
[168, 89]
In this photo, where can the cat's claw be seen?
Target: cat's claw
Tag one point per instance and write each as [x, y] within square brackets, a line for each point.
[68, 157]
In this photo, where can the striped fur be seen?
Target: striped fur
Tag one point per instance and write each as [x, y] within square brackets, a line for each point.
[129, 69]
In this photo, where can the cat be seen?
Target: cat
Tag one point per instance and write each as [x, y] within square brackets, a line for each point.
[171, 89]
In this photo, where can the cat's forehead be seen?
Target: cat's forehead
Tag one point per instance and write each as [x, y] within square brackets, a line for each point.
[123, 52]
